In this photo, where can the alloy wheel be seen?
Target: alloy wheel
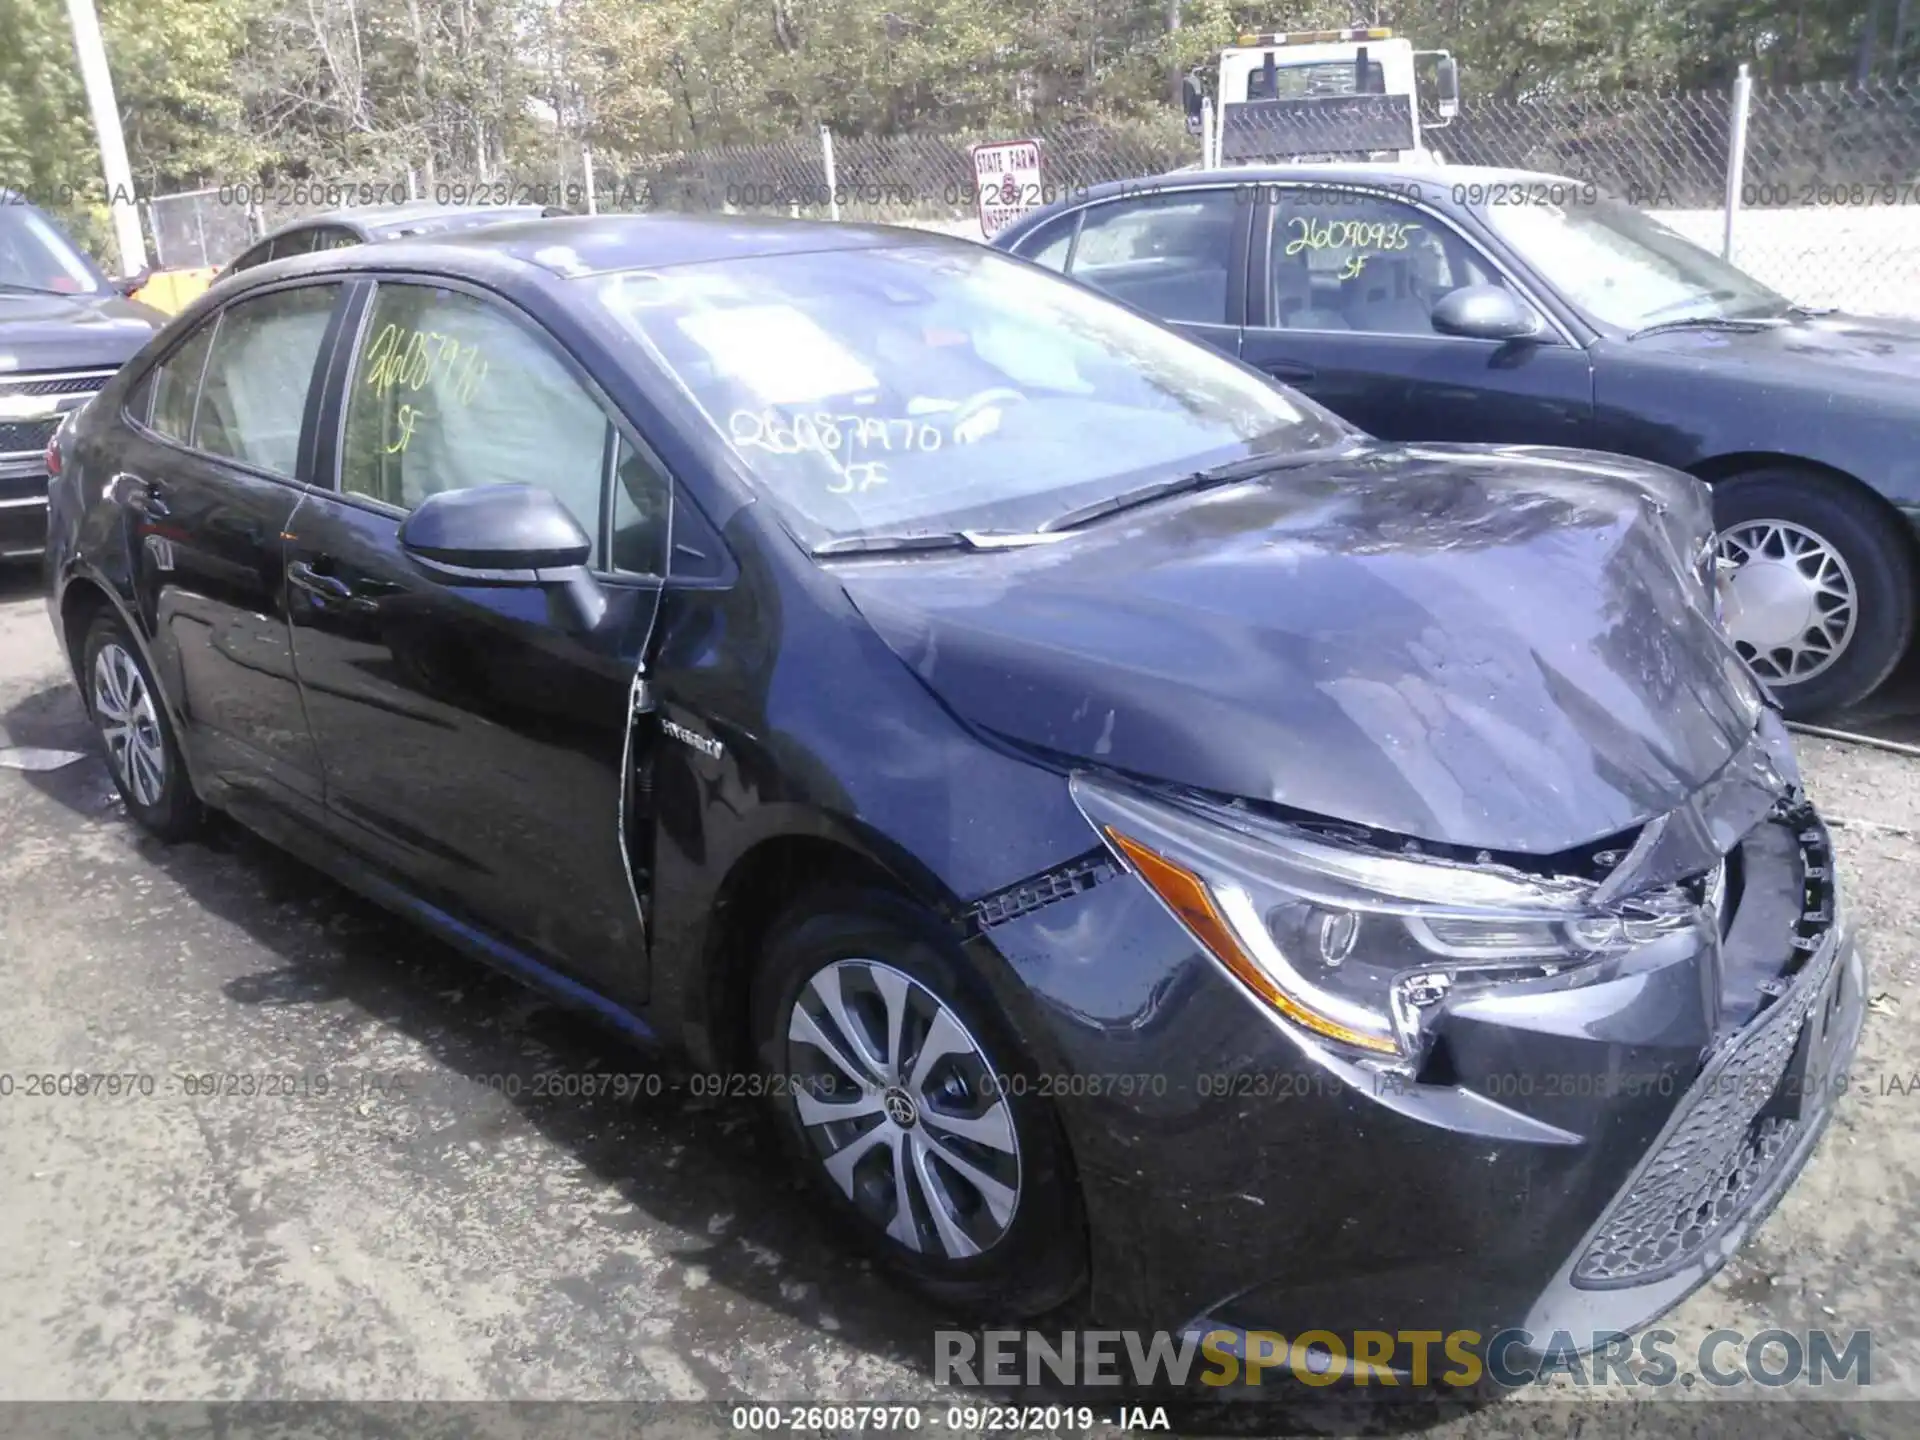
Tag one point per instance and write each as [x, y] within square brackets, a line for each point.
[124, 709]
[1790, 602]
[903, 1109]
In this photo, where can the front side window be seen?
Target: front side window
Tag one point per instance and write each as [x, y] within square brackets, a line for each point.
[448, 392]
[1626, 269]
[1356, 261]
[1169, 254]
[35, 256]
[254, 396]
[925, 390]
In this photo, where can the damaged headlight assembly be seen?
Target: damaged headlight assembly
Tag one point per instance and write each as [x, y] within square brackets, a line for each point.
[1354, 944]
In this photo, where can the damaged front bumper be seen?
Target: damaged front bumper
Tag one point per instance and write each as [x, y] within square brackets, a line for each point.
[1574, 1154]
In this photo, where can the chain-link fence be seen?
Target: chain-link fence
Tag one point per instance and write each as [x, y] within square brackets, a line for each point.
[1825, 188]
[1825, 182]
[197, 228]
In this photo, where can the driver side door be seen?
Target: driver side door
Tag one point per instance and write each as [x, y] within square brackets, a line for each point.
[474, 734]
[1340, 303]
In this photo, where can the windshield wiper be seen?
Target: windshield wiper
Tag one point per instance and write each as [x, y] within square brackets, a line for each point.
[13, 287]
[1712, 322]
[1247, 469]
[893, 544]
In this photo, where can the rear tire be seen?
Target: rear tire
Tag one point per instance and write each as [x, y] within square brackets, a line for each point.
[1821, 603]
[143, 754]
[954, 1173]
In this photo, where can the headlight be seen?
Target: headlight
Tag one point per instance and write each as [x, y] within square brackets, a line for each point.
[1350, 943]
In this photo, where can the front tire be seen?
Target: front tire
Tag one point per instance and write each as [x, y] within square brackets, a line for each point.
[1820, 602]
[143, 753]
[911, 1111]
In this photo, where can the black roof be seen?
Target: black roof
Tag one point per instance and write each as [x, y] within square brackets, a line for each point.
[381, 222]
[570, 246]
[600, 244]
[1411, 177]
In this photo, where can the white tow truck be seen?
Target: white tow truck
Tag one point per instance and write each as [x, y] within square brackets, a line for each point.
[1348, 94]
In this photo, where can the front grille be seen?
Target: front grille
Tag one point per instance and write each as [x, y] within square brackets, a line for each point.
[67, 382]
[26, 437]
[21, 437]
[28, 486]
[1723, 1143]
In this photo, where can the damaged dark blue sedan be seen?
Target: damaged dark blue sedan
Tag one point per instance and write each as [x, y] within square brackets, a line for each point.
[1143, 833]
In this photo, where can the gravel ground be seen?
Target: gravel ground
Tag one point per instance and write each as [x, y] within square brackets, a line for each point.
[415, 1234]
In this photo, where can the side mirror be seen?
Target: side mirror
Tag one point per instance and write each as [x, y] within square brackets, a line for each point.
[1190, 98]
[1485, 312]
[1447, 87]
[505, 535]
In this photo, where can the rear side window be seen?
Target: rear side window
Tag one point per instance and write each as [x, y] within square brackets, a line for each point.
[295, 242]
[254, 396]
[174, 386]
[449, 392]
[250, 258]
[1049, 244]
[1168, 254]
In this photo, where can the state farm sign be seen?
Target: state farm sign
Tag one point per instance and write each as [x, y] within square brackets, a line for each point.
[1007, 179]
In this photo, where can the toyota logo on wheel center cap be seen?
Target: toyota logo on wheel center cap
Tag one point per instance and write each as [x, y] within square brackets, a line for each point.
[900, 1108]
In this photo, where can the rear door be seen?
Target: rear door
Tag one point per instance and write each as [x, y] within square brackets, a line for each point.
[1179, 255]
[475, 737]
[219, 444]
[1340, 304]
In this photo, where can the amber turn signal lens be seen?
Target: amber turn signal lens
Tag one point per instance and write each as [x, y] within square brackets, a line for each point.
[1186, 894]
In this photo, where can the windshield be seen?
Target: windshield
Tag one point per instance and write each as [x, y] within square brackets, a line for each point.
[923, 390]
[36, 256]
[1624, 268]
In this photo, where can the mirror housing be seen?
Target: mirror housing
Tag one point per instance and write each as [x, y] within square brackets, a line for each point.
[1485, 312]
[505, 535]
[1447, 87]
[1191, 99]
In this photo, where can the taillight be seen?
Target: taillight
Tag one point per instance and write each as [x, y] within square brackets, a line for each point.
[53, 455]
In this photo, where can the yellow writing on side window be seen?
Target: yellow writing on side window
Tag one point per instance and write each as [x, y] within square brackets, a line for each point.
[1319, 234]
[403, 357]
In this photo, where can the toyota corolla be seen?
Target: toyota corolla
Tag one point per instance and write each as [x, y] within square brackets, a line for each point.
[1146, 834]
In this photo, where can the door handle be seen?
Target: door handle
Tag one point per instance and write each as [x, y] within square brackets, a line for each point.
[148, 501]
[1290, 371]
[327, 587]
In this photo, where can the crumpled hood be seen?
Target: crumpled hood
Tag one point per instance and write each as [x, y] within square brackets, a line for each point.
[1497, 649]
[71, 332]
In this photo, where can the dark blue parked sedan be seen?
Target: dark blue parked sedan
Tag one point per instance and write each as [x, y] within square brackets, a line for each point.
[1139, 831]
[1460, 303]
